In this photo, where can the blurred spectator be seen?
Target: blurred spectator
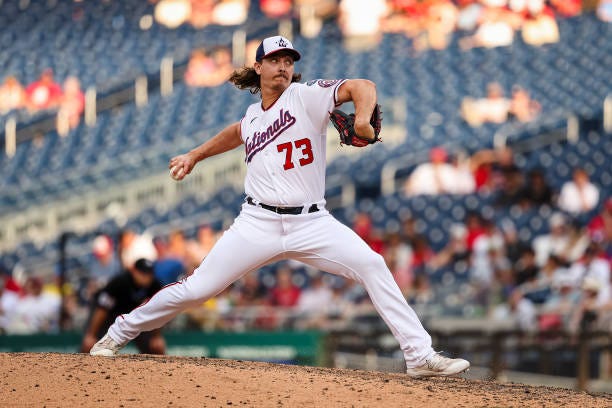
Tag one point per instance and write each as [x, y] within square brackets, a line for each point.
[106, 264]
[345, 301]
[204, 71]
[604, 10]
[518, 311]
[223, 65]
[553, 243]
[421, 293]
[422, 254]
[593, 266]
[513, 246]
[438, 26]
[464, 176]
[519, 6]
[475, 225]
[487, 254]
[199, 68]
[173, 256]
[121, 295]
[526, 269]
[12, 95]
[168, 271]
[359, 22]
[10, 283]
[284, 293]
[36, 311]
[455, 251]
[549, 275]
[198, 248]
[249, 291]
[405, 16]
[495, 29]
[522, 107]
[503, 284]
[556, 312]
[567, 8]
[8, 302]
[578, 195]
[469, 15]
[314, 302]
[44, 93]
[398, 257]
[213, 314]
[133, 247]
[362, 225]
[511, 191]
[177, 246]
[201, 13]
[71, 106]
[493, 108]
[172, 13]
[435, 177]
[585, 316]
[577, 241]
[536, 191]
[493, 169]
[408, 230]
[600, 227]
[541, 27]
[251, 51]
[504, 168]
[230, 12]
[312, 14]
[276, 8]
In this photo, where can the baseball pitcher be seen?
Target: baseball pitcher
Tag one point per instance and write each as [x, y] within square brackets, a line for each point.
[284, 215]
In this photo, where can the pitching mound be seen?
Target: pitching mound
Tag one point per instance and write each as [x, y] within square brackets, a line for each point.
[77, 380]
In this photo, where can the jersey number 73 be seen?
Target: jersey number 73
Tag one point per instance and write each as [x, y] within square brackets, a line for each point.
[306, 150]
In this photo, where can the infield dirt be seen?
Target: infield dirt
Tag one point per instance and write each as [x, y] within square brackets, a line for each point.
[78, 380]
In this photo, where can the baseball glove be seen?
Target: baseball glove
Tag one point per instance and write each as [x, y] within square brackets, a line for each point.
[345, 125]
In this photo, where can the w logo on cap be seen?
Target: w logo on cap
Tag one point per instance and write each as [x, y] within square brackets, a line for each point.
[275, 44]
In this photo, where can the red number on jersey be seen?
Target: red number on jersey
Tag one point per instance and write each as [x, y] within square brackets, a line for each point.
[307, 155]
[288, 148]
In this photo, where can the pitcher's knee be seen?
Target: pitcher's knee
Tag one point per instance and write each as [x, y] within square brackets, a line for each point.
[376, 262]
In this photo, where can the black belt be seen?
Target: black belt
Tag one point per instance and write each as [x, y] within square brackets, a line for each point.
[283, 210]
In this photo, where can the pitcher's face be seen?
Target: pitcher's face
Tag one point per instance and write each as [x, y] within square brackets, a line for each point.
[276, 71]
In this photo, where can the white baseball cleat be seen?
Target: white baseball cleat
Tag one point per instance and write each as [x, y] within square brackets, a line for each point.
[106, 347]
[439, 366]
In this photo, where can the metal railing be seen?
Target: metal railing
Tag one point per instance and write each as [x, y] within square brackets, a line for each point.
[486, 347]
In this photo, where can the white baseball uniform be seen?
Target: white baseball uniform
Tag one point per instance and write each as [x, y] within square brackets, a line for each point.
[285, 158]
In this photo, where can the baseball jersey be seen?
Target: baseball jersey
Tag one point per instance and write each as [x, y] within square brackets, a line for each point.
[285, 144]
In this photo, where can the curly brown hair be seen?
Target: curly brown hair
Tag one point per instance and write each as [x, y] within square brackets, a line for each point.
[248, 78]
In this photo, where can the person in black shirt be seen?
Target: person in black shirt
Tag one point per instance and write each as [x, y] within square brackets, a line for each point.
[121, 295]
[536, 191]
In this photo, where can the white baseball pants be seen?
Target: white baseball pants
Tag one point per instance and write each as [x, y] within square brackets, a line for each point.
[259, 237]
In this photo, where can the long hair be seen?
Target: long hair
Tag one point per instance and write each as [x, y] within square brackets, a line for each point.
[248, 78]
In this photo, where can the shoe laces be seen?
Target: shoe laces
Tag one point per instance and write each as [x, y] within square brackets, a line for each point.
[436, 361]
[110, 343]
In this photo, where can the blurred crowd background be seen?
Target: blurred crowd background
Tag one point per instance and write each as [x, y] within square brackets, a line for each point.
[500, 207]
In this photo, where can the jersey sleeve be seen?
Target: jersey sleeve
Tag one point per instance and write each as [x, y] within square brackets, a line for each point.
[319, 98]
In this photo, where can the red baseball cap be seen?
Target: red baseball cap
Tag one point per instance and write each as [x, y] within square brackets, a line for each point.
[438, 154]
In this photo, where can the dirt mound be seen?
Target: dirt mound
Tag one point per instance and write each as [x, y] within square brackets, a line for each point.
[78, 380]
